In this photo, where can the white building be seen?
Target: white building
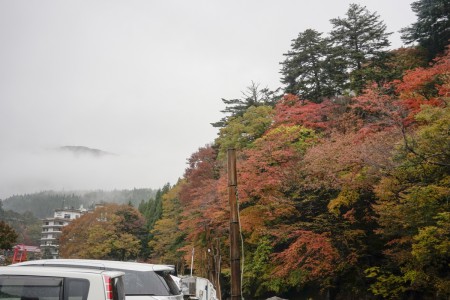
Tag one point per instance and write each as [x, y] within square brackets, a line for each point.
[52, 227]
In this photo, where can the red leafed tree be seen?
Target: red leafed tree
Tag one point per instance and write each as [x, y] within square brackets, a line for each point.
[266, 176]
[350, 160]
[310, 256]
[290, 110]
[425, 85]
[377, 110]
[203, 207]
[273, 158]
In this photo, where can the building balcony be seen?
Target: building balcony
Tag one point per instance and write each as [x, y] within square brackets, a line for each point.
[48, 239]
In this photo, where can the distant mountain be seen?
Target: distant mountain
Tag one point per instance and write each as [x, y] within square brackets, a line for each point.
[82, 150]
[43, 204]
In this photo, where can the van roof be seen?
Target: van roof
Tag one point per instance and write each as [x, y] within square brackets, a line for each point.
[60, 272]
[98, 264]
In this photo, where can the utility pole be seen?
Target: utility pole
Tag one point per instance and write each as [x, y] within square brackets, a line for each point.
[217, 260]
[235, 256]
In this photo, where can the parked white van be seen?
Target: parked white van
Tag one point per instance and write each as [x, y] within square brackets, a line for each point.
[141, 281]
[37, 283]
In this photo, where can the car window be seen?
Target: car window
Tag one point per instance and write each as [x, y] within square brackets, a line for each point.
[30, 287]
[149, 283]
[118, 289]
[18, 287]
[76, 289]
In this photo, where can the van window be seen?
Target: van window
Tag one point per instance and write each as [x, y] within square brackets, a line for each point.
[149, 283]
[118, 289]
[76, 289]
[18, 287]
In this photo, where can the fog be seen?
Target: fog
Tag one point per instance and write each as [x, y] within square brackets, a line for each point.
[140, 79]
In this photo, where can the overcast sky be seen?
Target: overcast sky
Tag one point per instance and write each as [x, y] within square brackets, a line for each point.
[140, 79]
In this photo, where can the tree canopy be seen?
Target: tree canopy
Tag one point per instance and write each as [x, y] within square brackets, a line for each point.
[111, 231]
[353, 55]
[432, 28]
[347, 197]
[7, 236]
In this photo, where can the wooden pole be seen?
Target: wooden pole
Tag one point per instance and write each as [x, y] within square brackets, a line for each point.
[235, 256]
[217, 260]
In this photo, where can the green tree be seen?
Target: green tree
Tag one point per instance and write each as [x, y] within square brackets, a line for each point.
[242, 131]
[7, 236]
[167, 239]
[252, 97]
[432, 28]
[257, 269]
[305, 70]
[413, 209]
[152, 212]
[359, 39]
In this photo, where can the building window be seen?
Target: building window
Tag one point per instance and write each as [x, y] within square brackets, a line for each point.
[66, 216]
[45, 223]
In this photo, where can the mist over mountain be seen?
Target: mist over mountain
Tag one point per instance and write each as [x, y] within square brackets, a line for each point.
[43, 204]
[35, 168]
[82, 150]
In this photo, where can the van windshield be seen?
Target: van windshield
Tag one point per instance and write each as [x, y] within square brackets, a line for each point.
[149, 283]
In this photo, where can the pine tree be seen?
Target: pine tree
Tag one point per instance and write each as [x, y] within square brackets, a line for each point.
[432, 29]
[359, 39]
[305, 69]
[253, 96]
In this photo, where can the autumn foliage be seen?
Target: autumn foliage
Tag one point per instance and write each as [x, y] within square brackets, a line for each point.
[347, 197]
[111, 231]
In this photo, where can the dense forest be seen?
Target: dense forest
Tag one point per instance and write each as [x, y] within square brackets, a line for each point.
[27, 228]
[343, 173]
[43, 204]
[24, 213]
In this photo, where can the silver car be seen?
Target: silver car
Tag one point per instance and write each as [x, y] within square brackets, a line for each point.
[141, 281]
[37, 283]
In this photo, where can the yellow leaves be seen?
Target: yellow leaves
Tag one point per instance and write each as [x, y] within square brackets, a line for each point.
[344, 200]
[128, 244]
[106, 233]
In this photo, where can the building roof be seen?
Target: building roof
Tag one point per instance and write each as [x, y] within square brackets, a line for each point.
[22, 247]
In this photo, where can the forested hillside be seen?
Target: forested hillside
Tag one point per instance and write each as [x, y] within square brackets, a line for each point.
[43, 204]
[26, 226]
[343, 178]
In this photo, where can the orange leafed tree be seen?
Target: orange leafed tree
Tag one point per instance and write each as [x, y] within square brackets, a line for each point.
[111, 231]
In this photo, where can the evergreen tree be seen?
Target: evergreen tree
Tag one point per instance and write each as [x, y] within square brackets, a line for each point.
[7, 236]
[152, 211]
[253, 96]
[167, 238]
[359, 39]
[432, 29]
[305, 70]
